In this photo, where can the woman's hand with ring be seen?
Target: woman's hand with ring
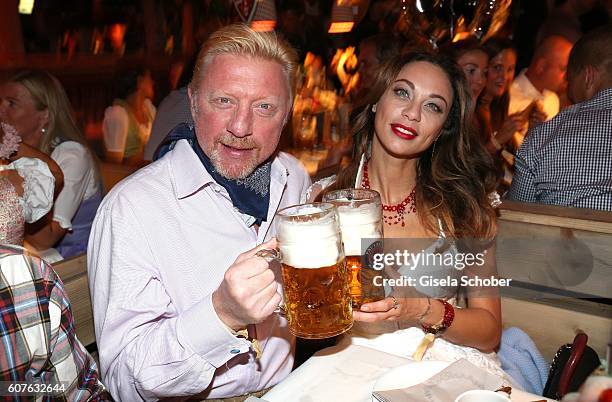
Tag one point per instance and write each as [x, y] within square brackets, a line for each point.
[393, 308]
[387, 309]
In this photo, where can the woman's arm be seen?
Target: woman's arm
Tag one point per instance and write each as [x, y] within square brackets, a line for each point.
[77, 166]
[15, 179]
[511, 125]
[478, 325]
[44, 233]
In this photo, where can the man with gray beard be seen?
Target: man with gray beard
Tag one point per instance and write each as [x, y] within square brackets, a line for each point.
[183, 305]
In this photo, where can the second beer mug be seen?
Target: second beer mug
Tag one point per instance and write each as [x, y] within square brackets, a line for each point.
[315, 282]
[360, 213]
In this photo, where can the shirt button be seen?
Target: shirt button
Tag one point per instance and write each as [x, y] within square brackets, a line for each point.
[235, 351]
[217, 189]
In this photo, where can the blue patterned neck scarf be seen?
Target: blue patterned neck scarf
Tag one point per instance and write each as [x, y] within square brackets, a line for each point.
[250, 195]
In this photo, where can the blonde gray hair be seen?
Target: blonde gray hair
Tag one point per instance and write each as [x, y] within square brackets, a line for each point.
[48, 94]
[239, 39]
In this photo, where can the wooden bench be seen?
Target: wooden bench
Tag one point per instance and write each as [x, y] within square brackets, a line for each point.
[73, 273]
[560, 260]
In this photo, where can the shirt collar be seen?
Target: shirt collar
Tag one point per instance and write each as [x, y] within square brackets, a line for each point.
[189, 175]
[527, 87]
[187, 172]
[280, 172]
[601, 99]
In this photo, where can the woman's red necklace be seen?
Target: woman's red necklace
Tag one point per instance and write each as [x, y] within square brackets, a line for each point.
[392, 214]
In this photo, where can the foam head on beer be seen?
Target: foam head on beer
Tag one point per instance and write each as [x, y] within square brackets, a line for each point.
[308, 238]
[359, 222]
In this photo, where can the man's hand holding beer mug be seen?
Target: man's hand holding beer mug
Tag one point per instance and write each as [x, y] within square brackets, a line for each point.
[248, 293]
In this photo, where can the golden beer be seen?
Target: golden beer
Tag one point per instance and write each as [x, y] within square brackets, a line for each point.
[317, 301]
[360, 212]
[361, 282]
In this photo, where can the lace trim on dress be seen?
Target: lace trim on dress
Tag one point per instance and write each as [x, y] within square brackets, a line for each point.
[11, 214]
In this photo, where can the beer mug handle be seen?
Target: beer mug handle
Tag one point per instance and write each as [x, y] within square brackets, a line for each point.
[272, 255]
[269, 254]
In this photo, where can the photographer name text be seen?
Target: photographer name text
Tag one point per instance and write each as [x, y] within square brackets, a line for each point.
[428, 281]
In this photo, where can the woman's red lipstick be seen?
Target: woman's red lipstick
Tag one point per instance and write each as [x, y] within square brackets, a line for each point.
[407, 133]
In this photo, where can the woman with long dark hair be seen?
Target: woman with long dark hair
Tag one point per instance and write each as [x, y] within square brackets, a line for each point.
[474, 62]
[492, 120]
[414, 145]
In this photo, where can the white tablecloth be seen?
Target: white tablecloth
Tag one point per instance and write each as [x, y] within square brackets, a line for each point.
[346, 374]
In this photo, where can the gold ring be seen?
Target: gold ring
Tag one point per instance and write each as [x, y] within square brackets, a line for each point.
[395, 303]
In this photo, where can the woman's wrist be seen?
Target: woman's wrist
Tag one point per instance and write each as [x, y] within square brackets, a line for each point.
[447, 315]
[425, 313]
[432, 313]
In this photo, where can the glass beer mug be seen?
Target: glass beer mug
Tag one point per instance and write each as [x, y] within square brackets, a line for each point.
[315, 282]
[360, 212]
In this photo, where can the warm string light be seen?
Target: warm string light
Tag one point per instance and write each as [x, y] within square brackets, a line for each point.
[264, 17]
[340, 27]
[344, 61]
[342, 17]
[26, 6]
[263, 26]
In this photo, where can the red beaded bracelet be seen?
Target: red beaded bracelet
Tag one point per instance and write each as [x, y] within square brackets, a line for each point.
[449, 316]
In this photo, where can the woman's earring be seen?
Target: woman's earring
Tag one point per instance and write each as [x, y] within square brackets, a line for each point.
[374, 108]
[433, 151]
[43, 130]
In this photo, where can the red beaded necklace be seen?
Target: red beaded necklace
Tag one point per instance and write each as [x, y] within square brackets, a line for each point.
[398, 210]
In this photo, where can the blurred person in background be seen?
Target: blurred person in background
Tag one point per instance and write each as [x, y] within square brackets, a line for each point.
[35, 103]
[373, 52]
[26, 186]
[127, 123]
[39, 343]
[474, 62]
[568, 160]
[173, 110]
[535, 90]
[492, 119]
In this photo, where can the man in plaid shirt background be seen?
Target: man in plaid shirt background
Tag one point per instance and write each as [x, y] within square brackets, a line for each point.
[38, 343]
[568, 160]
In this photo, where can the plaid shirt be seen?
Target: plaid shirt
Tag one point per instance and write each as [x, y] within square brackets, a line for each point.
[37, 334]
[568, 160]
